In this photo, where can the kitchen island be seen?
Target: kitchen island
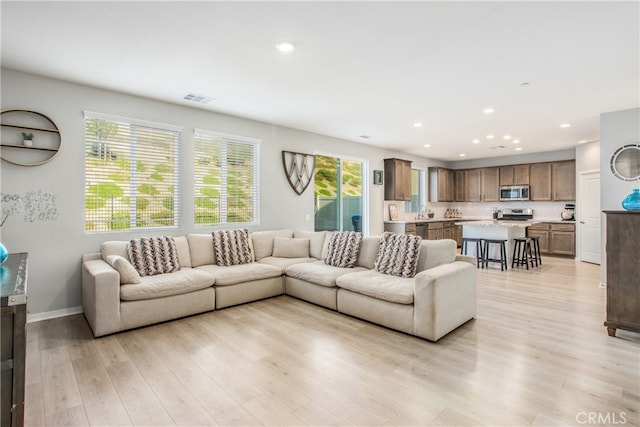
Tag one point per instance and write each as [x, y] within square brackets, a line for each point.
[495, 230]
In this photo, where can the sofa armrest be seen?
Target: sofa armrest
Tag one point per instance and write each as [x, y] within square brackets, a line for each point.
[467, 258]
[101, 296]
[445, 298]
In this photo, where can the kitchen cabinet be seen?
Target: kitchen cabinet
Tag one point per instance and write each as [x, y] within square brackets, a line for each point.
[397, 184]
[401, 227]
[441, 185]
[459, 186]
[564, 180]
[435, 231]
[472, 185]
[540, 180]
[514, 175]
[555, 239]
[490, 184]
[623, 270]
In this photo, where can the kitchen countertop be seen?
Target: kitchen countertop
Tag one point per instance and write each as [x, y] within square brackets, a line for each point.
[414, 221]
[501, 223]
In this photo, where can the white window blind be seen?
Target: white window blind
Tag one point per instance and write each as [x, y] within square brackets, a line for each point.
[226, 179]
[131, 173]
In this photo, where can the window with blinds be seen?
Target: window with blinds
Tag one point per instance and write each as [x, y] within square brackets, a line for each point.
[226, 186]
[131, 173]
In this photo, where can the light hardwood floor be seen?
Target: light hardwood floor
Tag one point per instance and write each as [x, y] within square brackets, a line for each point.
[537, 354]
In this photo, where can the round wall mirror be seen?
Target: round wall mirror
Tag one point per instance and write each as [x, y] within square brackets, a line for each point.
[625, 162]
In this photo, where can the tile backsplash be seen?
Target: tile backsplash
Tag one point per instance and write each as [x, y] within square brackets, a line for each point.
[482, 210]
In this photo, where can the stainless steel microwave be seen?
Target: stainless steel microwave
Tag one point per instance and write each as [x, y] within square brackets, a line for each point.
[514, 192]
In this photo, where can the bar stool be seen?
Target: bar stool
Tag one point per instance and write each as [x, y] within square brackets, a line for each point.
[479, 251]
[503, 253]
[522, 253]
[535, 246]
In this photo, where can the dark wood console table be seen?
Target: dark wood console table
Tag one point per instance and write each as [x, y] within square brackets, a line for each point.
[623, 271]
[13, 345]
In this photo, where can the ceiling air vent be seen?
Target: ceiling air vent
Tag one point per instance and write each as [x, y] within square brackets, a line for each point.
[497, 147]
[201, 99]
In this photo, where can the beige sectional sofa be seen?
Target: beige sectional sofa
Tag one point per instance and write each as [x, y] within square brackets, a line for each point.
[441, 296]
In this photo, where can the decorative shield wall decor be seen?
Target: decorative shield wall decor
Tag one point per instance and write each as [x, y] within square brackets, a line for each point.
[299, 169]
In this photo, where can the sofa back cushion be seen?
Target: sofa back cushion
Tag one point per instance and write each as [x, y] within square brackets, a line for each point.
[120, 248]
[128, 274]
[398, 254]
[154, 255]
[290, 248]
[232, 247]
[316, 241]
[368, 252]
[343, 249]
[201, 249]
[436, 252]
[263, 242]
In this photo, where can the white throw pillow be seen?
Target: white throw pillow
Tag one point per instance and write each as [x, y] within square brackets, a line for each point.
[128, 274]
[291, 248]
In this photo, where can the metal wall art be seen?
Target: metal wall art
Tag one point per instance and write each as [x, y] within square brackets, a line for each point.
[299, 169]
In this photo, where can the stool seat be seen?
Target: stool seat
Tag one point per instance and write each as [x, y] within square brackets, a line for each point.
[503, 253]
[479, 250]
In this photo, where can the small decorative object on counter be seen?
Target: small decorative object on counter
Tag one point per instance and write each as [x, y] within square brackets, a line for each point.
[430, 213]
[27, 139]
[632, 201]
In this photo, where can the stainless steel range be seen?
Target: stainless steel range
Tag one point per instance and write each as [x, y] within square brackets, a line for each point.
[514, 214]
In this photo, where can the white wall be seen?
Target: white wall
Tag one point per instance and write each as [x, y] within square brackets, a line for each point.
[548, 156]
[56, 248]
[617, 128]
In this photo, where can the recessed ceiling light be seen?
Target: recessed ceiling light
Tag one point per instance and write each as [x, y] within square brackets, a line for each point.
[417, 125]
[565, 125]
[515, 141]
[285, 46]
[490, 136]
[427, 145]
[461, 154]
[506, 137]
[476, 141]
[518, 148]
[582, 141]
[489, 110]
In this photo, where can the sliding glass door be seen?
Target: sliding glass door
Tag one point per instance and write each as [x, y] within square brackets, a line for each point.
[338, 189]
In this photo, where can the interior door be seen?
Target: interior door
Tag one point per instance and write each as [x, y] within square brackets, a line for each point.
[589, 217]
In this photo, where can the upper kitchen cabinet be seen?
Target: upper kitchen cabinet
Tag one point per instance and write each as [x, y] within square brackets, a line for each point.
[472, 185]
[490, 184]
[397, 185]
[540, 180]
[459, 186]
[514, 175]
[441, 185]
[564, 180]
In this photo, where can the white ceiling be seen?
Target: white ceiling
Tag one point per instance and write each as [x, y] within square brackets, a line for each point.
[360, 68]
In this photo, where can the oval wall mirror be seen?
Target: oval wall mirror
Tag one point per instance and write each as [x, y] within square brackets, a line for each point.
[625, 162]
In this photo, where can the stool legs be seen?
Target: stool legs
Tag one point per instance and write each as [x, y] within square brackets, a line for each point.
[503, 254]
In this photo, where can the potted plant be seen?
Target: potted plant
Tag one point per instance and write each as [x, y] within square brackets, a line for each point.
[429, 213]
[27, 139]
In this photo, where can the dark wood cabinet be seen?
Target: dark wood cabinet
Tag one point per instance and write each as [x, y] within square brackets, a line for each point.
[555, 239]
[13, 339]
[623, 271]
[459, 186]
[514, 175]
[540, 179]
[441, 185]
[564, 181]
[490, 184]
[472, 185]
[397, 185]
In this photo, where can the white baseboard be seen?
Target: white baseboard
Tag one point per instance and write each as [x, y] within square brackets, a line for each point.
[37, 317]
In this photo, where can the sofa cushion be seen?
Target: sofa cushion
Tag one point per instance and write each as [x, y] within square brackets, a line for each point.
[120, 248]
[154, 255]
[343, 249]
[381, 286]
[183, 251]
[231, 275]
[263, 242]
[368, 252]
[316, 241]
[232, 247]
[128, 274]
[290, 248]
[201, 249]
[398, 254]
[283, 263]
[436, 252]
[319, 273]
[163, 285]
